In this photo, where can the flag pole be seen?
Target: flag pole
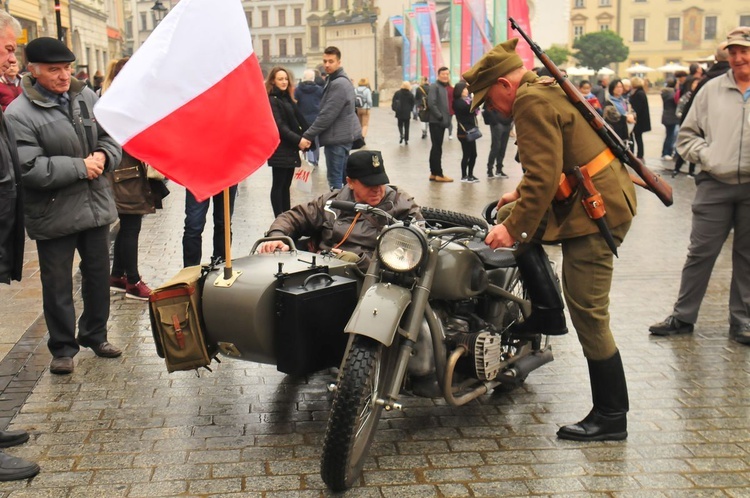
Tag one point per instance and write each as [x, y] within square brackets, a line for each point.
[229, 276]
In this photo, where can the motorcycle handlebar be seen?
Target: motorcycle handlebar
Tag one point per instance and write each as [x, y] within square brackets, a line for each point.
[358, 207]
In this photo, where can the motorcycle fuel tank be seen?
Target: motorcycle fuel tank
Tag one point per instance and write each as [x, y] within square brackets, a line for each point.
[241, 319]
[459, 274]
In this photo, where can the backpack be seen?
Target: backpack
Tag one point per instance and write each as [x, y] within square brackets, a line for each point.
[359, 98]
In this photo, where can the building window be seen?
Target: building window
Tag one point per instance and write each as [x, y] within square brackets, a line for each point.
[744, 20]
[639, 30]
[144, 21]
[298, 46]
[343, 4]
[314, 5]
[709, 28]
[604, 27]
[266, 49]
[580, 4]
[314, 36]
[282, 18]
[129, 28]
[605, 3]
[249, 17]
[282, 48]
[298, 17]
[264, 18]
[329, 4]
[673, 29]
[577, 32]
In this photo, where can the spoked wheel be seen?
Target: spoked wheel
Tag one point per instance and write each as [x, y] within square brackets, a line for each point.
[450, 219]
[354, 414]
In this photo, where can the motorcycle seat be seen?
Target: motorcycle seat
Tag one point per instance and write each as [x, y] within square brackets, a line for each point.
[490, 257]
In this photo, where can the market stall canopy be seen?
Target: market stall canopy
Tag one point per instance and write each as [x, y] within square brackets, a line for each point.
[672, 67]
[639, 69]
[579, 71]
[606, 71]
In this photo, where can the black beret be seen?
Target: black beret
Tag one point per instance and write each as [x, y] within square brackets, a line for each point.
[367, 167]
[48, 50]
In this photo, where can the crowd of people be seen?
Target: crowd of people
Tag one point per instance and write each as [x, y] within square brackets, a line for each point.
[57, 160]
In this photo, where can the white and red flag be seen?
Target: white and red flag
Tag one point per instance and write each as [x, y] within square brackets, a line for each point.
[192, 101]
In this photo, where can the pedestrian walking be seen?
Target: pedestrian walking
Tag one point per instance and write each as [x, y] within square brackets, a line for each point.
[500, 127]
[291, 125]
[402, 104]
[424, 114]
[712, 134]
[337, 124]
[69, 203]
[639, 105]
[134, 198]
[440, 118]
[363, 103]
[467, 120]
[308, 95]
[12, 235]
[669, 119]
[553, 139]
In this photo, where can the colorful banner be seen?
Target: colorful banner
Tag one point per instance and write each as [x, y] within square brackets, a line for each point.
[413, 44]
[398, 23]
[424, 29]
[455, 43]
[500, 21]
[436, 43]
[519, 10]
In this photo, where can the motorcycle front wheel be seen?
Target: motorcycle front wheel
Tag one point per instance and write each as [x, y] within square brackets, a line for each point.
[354, 414]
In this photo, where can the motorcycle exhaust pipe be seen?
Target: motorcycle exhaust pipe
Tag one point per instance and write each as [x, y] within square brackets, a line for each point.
[524, 366]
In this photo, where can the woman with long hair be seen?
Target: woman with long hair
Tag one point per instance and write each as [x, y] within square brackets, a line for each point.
[617, 110]
[639, 104]
[134, 198]
[466, 121]
[291, 125]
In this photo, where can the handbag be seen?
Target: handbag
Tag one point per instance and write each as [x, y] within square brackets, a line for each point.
[472, 134]
[358, 143]
[303, 177]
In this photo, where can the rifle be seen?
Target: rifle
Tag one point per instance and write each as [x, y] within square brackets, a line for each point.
[653, 182]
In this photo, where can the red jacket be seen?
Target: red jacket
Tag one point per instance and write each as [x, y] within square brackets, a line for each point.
[8, 92]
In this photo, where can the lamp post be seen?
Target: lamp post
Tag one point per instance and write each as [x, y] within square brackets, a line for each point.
[58, 21]
[375, 93]
[159, 11]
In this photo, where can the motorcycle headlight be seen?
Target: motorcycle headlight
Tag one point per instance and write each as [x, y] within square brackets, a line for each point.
[401, 248]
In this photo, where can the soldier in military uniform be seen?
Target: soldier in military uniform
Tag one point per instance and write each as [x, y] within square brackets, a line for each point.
[554, 138]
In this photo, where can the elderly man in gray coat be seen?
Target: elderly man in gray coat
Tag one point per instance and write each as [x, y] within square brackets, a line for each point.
[69, 204]
[337, 125]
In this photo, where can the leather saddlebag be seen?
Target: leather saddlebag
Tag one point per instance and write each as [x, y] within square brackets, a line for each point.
[312, 310]
[176, 321]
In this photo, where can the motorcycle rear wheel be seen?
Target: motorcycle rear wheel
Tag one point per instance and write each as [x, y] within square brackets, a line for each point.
[450, 219]
[354, 415]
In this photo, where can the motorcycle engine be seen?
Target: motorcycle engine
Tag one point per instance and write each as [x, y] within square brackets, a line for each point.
[484, 354]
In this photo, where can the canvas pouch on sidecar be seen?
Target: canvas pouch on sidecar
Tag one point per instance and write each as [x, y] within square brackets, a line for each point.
[312, 309]
[176, 321]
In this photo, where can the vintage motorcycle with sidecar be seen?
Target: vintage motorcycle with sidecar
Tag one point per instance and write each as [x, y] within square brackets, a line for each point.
[430, 317]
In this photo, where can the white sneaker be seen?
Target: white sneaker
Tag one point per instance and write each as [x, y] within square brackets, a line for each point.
[450, 137]
[666, 158]
[464, 179]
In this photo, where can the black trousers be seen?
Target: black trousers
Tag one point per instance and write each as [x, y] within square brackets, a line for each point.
[125, 258]
[280, 196]
[437, 133]
[403, 128]
[56, 268]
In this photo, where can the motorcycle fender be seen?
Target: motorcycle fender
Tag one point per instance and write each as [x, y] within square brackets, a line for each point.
[379, 312]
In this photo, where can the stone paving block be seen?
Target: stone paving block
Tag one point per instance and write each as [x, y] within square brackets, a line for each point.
[222, 470]
[153, 458]
[499, 488]
[120, 476]
[154, 489]
[67, 479]
[555, 485]
[717, 480]
[418, 491]
[39, 493]
[213, 456]
[409, 461]
[169, 472]
[667, 480]
[458, 474]
[271, 483]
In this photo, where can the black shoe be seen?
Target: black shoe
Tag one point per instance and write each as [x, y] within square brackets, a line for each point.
[675, 173]
[14, 468]
[500, 174]
[13, 438]
[597, 426]
[671, 326]
[62, 365]
[103, 349]
[401, 140]
[541, 321]
[740, 333]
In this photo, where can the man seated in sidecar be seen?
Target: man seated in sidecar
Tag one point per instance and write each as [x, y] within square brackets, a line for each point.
[350, 236]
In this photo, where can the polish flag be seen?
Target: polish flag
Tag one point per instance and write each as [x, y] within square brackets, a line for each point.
[192, 100]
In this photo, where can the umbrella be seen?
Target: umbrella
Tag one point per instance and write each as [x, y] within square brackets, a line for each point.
[639, 69]
[579, 71]
[671, 68]
[606, 71]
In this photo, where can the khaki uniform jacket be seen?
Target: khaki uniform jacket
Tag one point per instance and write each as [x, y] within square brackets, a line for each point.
[313, 220]
[553, 137]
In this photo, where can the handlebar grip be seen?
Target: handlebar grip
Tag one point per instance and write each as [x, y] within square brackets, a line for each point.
[342, 205]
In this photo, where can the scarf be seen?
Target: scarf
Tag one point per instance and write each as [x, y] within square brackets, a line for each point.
[620, 104]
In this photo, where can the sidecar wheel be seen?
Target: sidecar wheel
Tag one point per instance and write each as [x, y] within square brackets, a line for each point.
[450, 219]
[354, 415]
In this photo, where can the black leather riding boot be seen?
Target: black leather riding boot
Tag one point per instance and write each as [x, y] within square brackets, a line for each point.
[608, 420]
[541, 284]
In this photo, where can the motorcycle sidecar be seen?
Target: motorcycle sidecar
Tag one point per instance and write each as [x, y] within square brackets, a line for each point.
[286, 308]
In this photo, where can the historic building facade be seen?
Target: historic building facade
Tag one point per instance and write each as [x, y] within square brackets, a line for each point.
[278, 33]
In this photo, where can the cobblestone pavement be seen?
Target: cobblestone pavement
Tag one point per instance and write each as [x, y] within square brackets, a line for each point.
[124, 427]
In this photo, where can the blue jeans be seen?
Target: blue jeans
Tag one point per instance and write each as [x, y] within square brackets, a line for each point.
[669, 140]
[195, 221]
[336, 156]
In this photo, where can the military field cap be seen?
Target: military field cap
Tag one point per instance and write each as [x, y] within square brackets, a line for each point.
[367, 167]
[498, 62]
[739, 36]
[48, 50]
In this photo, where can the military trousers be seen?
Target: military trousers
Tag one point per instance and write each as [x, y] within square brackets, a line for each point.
[587, 270]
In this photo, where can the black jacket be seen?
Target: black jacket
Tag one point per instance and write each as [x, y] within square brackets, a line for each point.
[403, 103]
[466, 119]
[639, 103]
[308, 95]
[291, 125]
[717, 69]
[668, 116]
[11, 207]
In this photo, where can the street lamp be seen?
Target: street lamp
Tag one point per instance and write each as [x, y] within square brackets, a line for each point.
[375, 93]
[159, 11]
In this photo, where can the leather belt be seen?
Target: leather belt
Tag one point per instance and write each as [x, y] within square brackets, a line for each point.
[569, 183]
